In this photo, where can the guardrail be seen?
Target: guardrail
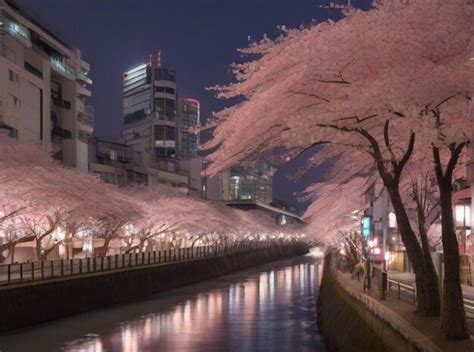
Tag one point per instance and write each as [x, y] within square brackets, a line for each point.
[468, 304]
[401, 286]
[11, 274]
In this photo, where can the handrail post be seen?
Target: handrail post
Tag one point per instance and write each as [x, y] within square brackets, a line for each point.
[9, 273]
[52, 268]
[32, 271]
[62, 267]
[414, 295]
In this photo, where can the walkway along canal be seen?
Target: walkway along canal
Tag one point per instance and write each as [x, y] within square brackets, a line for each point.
[267, 308]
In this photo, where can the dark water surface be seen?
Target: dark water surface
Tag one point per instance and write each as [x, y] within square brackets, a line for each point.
[268, 308]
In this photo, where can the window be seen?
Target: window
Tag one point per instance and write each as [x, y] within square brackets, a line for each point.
[13, 76]
[166, 108]
[56, 90]
[15, 102]
[164, 133]
[32, 69]
[165, 90]
[113, 154]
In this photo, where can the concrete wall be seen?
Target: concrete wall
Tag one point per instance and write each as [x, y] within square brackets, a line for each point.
[347, 326]
[40, 302]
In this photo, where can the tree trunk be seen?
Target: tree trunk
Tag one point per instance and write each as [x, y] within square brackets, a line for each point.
[12, 253]
[427, 283]
[105, 247]
[453, 317]
[38, 249]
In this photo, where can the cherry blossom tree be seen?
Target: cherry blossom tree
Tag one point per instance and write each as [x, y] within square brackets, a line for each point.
[48, 205]
[390, 83]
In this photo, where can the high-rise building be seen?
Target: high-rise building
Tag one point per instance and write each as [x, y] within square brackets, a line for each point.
[153, 126]
[44, 86]
[150, 114]
[189, 118]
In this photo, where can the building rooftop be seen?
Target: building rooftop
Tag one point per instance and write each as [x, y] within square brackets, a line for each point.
[18, 9]
[242, 204]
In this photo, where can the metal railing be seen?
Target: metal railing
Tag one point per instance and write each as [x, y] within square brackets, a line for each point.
[401, 287]
[468, 304]
[28, 272]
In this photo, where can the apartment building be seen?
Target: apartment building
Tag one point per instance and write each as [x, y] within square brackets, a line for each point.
[113, 162]
[44, 87]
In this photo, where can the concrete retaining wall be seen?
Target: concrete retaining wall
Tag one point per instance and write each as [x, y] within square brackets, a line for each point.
[348, 326]
[25, 305]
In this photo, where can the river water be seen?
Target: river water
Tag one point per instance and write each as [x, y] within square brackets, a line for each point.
[268, 308]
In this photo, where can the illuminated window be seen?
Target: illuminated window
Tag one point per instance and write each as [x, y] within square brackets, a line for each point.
[392, 220]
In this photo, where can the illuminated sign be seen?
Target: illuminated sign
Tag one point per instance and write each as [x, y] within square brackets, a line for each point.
[366, 220]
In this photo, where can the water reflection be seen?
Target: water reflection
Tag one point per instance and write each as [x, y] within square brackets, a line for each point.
[266, 309]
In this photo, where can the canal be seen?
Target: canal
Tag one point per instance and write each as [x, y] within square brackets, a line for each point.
[268, 308]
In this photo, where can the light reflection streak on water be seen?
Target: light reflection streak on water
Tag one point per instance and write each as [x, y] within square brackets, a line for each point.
[269, 309]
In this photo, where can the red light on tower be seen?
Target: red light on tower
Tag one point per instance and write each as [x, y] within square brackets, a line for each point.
[192, 101]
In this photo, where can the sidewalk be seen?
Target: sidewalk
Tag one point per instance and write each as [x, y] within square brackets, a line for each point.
[428, 326]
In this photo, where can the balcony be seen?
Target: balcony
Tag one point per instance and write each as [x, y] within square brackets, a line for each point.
[59, 66]
[61, 132]
[63, 104]
[106, 159]
[86, 116]
[83, 78]
[84, 136]
[17, 31]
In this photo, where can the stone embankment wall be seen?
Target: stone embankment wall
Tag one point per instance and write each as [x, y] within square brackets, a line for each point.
[348, 326]
[25, 305]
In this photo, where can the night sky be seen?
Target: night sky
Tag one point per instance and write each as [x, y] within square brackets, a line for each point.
[198, 38]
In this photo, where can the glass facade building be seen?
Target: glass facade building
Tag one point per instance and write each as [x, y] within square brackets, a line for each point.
[251, 183]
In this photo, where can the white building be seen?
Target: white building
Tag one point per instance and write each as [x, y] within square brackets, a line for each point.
[43, 88]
